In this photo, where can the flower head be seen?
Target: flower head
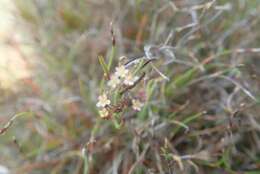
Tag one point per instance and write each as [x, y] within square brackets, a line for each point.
[114, 81]
[103, 113]
[103, 101]
[130, 79]
[137, 105]
[121, 71]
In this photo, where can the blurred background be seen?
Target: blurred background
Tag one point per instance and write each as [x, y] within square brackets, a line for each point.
[201, 113]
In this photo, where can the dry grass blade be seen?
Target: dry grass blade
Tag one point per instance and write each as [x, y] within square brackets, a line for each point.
[139, 160]
[10, 122]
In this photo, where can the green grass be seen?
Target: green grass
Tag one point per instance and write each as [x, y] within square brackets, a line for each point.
[207, 105]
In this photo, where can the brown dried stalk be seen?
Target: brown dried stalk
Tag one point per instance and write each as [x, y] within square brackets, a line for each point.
[10, 123]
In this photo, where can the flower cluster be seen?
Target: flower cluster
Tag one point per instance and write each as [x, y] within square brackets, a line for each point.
[120, 82]
[102, 103]
[122, 74]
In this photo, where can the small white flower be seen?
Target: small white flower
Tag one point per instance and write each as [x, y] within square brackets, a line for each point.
[130, 79]
[103, 101]
[122, 58]
[114, 81]
[137, 105]
[103, 113]
[121, 71]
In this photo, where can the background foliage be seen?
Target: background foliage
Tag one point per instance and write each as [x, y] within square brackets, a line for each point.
[204, 119]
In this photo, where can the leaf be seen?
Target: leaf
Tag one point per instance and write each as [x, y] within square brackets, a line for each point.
[103, 65]
[117, 125]
[111, 58]
[185, 78]
[181, 81]
[186, 121]
[85, 159]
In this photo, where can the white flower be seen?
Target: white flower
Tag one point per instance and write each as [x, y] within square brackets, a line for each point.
[122, 58]
[130, 79]
[121, 71]
[103, 113]
[103, 101]
[114, 81]
[137, 105]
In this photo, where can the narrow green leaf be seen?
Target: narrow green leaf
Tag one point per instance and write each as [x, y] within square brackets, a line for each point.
[86, 166]
[111, 58]
[186, 121]
[185, 78]
[103, 65]
[117, 125]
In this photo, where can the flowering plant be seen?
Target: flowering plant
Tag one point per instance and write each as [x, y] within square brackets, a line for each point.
[118, 92]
